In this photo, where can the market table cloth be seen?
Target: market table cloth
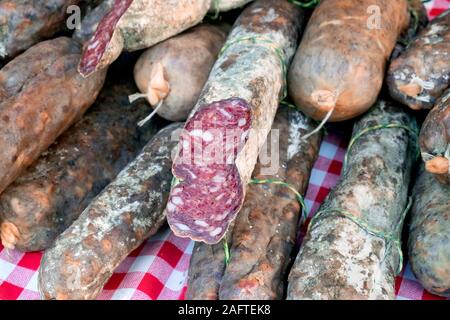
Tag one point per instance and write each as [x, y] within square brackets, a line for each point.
[158, 268]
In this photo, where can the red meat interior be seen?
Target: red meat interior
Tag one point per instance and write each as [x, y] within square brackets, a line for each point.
[96, 47]
[210, 193]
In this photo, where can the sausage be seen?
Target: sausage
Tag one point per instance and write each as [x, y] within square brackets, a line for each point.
[218, 149]
[429, 252]
[351, 250]
[176, 70]
[265, 229]
[422, 73]
[267, 222]
[206, 269]
[338, 70]
[27, 22]
[126, 212]
[128, 27]
[435, 141]
[41, 96]
[53, 192]
[91, 20]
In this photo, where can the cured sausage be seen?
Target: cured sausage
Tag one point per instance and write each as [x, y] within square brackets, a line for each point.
[176, 70]
[422, 73]
[138, 24]
[429, 252]
[263, 236]
[352, 248]
[206, 269]
[265, 229]
[338, 70]
[26, 22]
[126, 212]
[41, 95]
[53, 192]
[219, 147]
[435, 141]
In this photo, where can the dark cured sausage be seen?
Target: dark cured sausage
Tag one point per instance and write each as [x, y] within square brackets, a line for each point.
[265, 229]
[340, 63]
[435, 140]
[351, 249]
[53, 192]
[220, 144]
[26, 22]
[41, 95]
[429, 238]
[206, 269]
[127, 212]
[422, 73]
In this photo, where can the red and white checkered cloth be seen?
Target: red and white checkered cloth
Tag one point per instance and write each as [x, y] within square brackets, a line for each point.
[158, 269]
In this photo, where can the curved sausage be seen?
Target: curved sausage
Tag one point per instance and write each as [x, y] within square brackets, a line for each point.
[340, 64]
[422, 73]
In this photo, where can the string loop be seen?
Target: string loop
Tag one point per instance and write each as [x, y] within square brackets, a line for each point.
[301, 4]
[358, 135]
[216, 14]
[298, 196]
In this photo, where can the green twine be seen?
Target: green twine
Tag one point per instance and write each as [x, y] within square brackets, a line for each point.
[299, 197]
[301, 4]
[288, 104]
[175, 181]
[217, 11]
[416, 19]
[377, 127]
[273, 46]
[226, 250]
[393, 238]
[415, 16]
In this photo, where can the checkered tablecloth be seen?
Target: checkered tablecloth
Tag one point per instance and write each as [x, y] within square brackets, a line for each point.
[158, 269]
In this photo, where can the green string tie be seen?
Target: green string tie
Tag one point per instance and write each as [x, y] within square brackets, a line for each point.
[288, 104]
[378, 127]
[273, 46]
[415, 16]
[299, 197]
[392, 239]
[175, 181]
[226, 250]
[301, 4]
[217, 11]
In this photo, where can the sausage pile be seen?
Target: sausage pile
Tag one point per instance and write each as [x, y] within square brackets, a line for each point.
[157, 112]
